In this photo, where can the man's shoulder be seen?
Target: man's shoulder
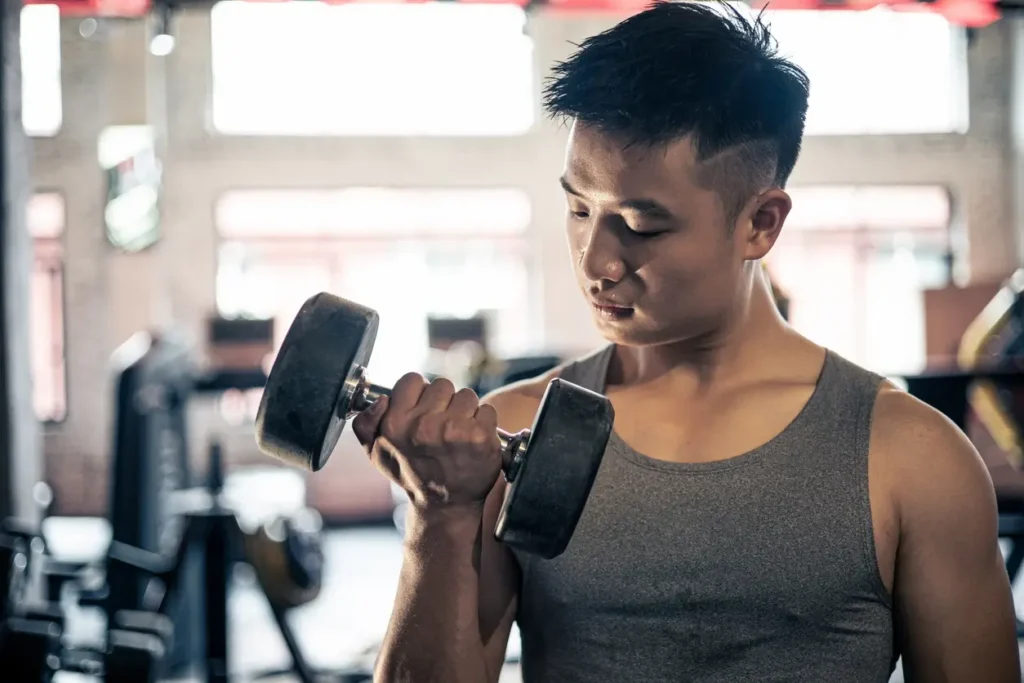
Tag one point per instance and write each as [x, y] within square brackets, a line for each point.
[517, 403]
[900, 419]
[926, 457]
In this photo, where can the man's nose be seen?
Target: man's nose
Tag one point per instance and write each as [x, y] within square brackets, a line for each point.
[600, 258]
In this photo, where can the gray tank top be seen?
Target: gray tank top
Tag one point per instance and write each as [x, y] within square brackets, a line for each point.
[755, 569]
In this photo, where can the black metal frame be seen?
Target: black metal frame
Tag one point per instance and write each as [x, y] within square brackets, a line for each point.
[211, 534]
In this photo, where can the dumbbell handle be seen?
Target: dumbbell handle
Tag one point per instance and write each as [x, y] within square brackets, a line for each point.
[513, 446]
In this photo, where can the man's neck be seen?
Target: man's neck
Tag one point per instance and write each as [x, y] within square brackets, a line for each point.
[734, 354]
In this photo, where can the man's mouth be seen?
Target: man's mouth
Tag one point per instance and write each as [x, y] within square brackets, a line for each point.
[612, 311]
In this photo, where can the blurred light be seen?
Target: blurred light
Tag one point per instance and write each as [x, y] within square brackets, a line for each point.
[42, 110]
[404, 68]
[162, 45]
[87, 29]
[162, 42]
[42, 494]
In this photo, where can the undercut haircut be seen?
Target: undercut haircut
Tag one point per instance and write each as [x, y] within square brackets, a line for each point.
[698, 70]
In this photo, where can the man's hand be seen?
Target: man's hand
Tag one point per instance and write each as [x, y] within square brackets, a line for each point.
[439, 445]
[955, 620]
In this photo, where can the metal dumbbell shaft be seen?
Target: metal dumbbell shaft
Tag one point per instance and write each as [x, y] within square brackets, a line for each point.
[361, 394]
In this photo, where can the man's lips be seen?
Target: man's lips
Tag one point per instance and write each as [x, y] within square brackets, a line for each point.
[611, 310]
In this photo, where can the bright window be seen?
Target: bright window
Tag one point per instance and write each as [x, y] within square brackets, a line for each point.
[876, 249]
[877, 71]
[429, 69]
[45, 219]
[408, 254]
[41, 106]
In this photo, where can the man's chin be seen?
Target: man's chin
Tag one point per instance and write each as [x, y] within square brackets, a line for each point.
[626, 332]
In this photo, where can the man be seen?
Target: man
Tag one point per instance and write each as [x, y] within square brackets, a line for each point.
[766, 511]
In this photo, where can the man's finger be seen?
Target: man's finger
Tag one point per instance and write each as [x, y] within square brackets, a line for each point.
[366, 425]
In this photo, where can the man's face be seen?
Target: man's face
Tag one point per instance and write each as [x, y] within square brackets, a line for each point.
[646, 240]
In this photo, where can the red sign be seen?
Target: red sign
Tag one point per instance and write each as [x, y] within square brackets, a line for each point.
[971, 13]
[98, 8]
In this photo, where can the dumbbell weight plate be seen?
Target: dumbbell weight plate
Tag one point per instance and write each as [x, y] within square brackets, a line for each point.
[299, 420]
[132, 657]
[551, 484]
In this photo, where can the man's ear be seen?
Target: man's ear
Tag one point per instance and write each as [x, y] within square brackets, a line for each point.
[767, 215]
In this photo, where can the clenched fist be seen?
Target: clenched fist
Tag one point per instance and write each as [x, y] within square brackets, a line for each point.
[439, 445]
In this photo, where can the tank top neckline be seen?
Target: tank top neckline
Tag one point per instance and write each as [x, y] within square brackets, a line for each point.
[773, 445]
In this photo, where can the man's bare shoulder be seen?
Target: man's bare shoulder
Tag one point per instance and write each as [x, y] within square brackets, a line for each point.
[928, 459]
[517, 403]
[911, 426]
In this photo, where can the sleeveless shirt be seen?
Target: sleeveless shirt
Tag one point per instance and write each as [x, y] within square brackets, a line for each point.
[759, 568]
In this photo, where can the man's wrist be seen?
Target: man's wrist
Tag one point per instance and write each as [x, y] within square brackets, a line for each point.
[443, 525]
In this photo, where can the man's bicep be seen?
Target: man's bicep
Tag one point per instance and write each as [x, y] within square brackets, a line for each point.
[954, 610]
[499, 571]
[499, 587]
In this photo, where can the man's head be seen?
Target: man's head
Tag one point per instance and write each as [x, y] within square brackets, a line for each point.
[685, 127]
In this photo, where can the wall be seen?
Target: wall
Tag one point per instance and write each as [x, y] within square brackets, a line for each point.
[111, 295]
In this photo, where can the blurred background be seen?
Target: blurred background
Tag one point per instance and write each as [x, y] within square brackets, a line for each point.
[195, 171]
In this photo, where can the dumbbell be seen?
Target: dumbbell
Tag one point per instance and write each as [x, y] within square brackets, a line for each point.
[318, 382]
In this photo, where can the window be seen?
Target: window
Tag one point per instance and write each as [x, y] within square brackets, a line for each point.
[876, 248]
[429, 69]
[877, 71]
[45, 217]
[408, 254]
[41, 106]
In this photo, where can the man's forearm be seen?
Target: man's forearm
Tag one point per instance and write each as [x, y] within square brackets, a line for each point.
[434, 633]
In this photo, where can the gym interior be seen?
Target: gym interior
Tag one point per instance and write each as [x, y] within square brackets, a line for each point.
[179, 177]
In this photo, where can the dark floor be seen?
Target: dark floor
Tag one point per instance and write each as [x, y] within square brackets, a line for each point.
[343, 623]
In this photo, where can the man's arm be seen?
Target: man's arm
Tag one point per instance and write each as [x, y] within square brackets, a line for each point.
[953, 606]
[459, 587]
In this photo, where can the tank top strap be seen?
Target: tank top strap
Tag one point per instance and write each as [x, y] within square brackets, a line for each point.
[844, 402]
[590, 371]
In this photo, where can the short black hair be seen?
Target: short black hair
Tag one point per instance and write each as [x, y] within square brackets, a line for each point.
[699, 69]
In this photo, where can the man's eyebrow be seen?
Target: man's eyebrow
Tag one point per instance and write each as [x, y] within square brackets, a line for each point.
[645, 206]
[568, 187]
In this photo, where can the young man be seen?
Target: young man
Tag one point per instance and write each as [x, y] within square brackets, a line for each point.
[766, 511]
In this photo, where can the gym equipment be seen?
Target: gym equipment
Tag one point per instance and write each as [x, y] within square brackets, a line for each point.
[288, 557]
[210, 537]
[13, 569]
[132, 657]
[317, 383]
[29, 650]
[155, 377]
[997, 335]
[31, 631]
